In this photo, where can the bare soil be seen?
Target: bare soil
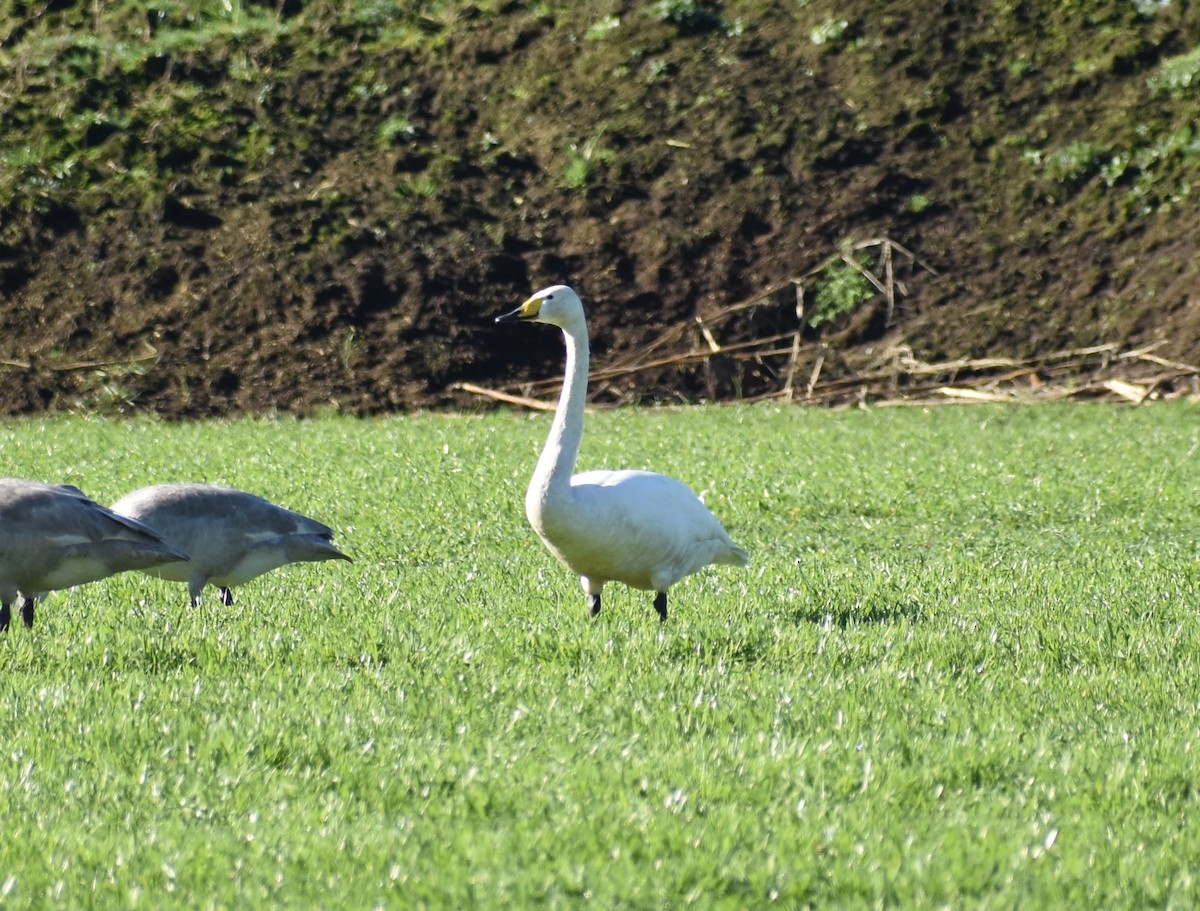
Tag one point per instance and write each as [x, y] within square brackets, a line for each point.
[325, 212]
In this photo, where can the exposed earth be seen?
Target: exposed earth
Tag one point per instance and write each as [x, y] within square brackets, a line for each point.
[303, 207]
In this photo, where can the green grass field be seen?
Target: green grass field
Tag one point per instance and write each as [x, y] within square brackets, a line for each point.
[962, 670]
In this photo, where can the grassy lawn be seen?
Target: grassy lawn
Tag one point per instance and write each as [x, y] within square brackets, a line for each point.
[962, 670]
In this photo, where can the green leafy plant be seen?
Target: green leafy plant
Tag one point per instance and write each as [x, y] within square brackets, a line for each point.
[829, 31]
[918, 203]
[1177, 75]
[1074, 163]
[691, 16]
[421, 186]
[844, 287]
[113, 390]
[602, 28]
[396, 129]
[582, 162]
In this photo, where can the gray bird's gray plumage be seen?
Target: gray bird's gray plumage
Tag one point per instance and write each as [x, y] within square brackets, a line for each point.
[232, 536]
[53, 537]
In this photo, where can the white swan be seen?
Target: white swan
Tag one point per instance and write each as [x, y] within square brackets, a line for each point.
[644, 529]
[54, 537]
[232, 536]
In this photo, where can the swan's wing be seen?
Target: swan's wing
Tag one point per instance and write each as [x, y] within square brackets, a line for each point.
[251, 510]
[643, 528]
[33, 508]
[53, 537]
[213, 507]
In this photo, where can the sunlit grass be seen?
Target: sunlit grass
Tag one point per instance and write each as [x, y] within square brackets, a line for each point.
[960, 671]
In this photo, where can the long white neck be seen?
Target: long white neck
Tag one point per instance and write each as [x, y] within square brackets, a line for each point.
[552, 476]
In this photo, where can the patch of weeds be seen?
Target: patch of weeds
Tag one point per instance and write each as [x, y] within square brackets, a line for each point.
[21, 158]
[688, 16]
[1184, 144]
[602, 28]
[1154, 172]
[1114, 169]
[830, 31]
[377, 13]
[918, 203]
[1157, 163]
[34, 174]
[109, 393]
[368, 89]
[658, 69]
[406, 33]
[582, 163]
[1074, 163]
[1150, 8]
[843, 289]
[420, 187]
[396, 129]
[210, 27]
[734, 29]
[257, 146]
[1177, 75]
[351, 349]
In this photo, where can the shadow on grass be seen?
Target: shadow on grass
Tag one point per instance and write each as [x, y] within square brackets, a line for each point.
[863, 593]
[877, 611]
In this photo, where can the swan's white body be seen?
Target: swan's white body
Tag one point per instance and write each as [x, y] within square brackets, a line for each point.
[644, 529]
[232, 536]
[54, 537]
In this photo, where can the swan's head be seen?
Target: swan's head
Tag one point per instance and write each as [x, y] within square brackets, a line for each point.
[557, 305]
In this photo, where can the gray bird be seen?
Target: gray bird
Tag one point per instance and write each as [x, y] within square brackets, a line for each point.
[232, 536]
[53, 537]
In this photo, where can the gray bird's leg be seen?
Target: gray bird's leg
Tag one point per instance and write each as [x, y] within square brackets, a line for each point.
[660, 605]
[593, 605]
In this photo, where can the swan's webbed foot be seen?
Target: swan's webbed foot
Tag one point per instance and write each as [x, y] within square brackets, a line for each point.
[593, 605]
[660, 605]
[226, 597]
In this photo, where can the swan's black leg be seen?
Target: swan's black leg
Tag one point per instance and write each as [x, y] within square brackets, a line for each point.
[660, 605]
[26, 603]
[5, 616]
[226, 597]
[594, 605]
